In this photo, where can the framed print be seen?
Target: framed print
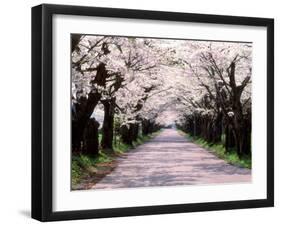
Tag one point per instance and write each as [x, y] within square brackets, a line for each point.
[145, 112]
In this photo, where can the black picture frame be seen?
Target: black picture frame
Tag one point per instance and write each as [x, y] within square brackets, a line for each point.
[42, 111]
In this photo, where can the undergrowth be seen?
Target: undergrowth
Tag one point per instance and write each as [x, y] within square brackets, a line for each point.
[219, 150]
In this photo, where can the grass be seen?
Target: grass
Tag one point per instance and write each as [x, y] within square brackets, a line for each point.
[84, 166]
[218, 149]
[120, 147]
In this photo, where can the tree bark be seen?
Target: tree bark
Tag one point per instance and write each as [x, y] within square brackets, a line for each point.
[90, 138]
[135, 131]
[239, 130]
[80, 119]
[217, 129]
[145, 126]
[126, 134]
[75, 39]
[229, 138]
[83, 109]
[108, 123]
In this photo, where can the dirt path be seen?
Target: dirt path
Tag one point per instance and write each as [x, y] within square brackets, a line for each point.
[169, 159]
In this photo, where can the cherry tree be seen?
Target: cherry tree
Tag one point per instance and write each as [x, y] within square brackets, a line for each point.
[223, 70]
[103, 65]
[93, 75]
[138, 81]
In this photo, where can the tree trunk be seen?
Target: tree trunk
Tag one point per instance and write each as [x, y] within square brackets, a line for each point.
[217, 130]
[83, 109]
[248, 130]
[229, 138]
[75, 39]
[80, 119]
[145, 127]
[135, 131]
[108, 122]
[126, 135]
[240, 132]
[244, 140]
[90, 138]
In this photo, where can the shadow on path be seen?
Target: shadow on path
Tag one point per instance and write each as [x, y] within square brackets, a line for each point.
[169, 160]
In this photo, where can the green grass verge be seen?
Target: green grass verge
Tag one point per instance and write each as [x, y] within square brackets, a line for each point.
[120, 147]
[83, 166]
[219, 150]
